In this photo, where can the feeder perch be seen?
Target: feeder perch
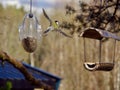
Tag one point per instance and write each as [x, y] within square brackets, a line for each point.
[98, 66]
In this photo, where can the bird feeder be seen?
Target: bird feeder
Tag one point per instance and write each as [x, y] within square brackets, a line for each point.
[30, 31]
[99, 35]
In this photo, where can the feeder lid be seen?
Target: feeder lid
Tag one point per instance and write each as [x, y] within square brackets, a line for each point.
[95, 33]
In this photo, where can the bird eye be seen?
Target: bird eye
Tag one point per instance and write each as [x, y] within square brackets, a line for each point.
[57, 22]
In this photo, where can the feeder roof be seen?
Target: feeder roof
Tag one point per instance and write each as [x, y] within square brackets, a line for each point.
[9, 72]
[95, 33]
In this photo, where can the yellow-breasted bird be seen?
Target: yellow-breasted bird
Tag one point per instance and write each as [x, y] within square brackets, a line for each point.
[54, 26]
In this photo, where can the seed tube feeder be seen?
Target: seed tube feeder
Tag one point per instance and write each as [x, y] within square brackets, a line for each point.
[98, 34]
[30, 31]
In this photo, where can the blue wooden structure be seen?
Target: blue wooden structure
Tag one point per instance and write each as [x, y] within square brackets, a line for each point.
[9, 73]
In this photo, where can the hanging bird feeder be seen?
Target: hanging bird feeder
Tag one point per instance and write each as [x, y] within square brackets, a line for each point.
[30, 31]
[99, 35]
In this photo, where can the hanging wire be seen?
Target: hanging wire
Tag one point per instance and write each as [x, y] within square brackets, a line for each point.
[100, 46]
[114, 51]
[84, 49]
[30, 6]
[30, 15]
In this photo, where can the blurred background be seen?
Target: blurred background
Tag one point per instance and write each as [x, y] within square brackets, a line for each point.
[55, 53]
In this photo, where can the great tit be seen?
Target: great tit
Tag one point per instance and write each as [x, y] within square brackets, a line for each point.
[54, 26]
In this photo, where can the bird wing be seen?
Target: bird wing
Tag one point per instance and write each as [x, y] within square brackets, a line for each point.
[63, 33]
[48, 29]
[45, 14]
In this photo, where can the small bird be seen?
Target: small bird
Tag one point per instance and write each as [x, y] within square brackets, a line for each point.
[54, 26]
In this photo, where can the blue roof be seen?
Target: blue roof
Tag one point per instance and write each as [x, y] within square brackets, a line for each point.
[8, 71]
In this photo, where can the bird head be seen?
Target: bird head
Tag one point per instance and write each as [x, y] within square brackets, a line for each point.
[57, 22]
